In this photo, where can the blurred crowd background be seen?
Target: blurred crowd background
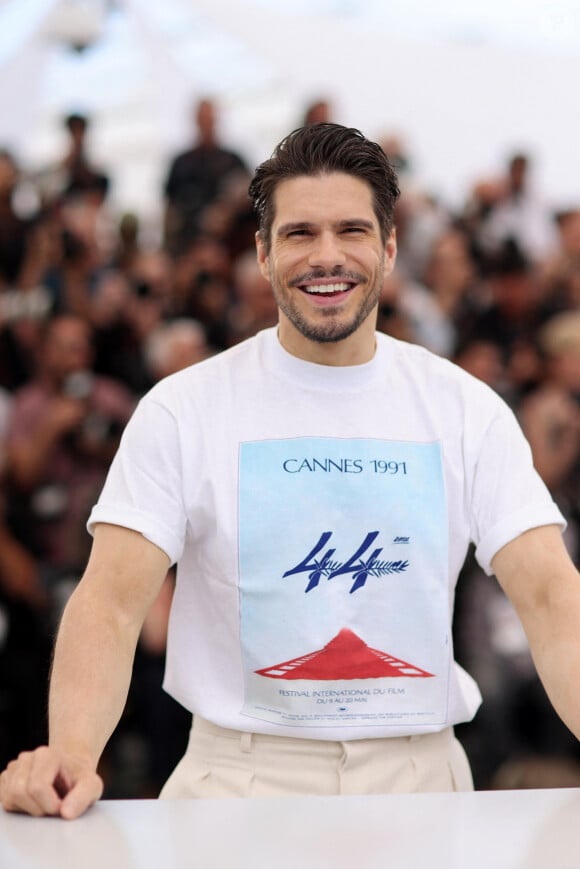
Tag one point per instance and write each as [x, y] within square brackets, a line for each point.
[93, 313]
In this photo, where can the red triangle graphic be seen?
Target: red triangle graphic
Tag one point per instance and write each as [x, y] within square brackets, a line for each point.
[346, 656]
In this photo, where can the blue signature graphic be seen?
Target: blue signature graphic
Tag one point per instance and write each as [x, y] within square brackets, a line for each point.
[360, 568]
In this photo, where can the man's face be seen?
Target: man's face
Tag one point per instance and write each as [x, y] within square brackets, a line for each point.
[8, 175]
[67, 349]
[326, 264]
[206, 121]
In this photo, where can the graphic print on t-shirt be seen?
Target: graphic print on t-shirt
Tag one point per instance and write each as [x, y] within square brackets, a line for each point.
[345, 657]
[343, 582]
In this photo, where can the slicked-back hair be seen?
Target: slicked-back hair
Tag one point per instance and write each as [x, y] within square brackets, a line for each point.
[319, 149]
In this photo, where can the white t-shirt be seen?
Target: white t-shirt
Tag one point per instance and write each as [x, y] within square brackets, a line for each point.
[319, 517]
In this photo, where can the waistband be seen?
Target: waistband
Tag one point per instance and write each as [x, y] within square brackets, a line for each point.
[246, 738]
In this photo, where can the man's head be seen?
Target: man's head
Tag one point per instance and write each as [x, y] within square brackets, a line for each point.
[318, 112]
[77, 126]
[66, 348]
[559, 340]
[173, 346]
[322, 149]
[518, 167]
[8, 174]
[206, 122]
[326, 240]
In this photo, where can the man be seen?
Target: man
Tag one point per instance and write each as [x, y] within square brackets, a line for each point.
[318, 487]
[196, 178]
[15, 231]
[513, 210]
[64, 430]
[74, 177]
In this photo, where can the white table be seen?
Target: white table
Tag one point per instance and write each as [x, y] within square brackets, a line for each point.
[487, 830]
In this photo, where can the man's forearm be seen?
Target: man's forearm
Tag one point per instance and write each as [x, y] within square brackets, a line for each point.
[90, 676]
[538, 576]
[555, 647]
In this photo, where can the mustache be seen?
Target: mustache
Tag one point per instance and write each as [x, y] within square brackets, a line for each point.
[320, 274]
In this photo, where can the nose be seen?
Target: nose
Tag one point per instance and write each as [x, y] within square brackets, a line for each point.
[326, 251]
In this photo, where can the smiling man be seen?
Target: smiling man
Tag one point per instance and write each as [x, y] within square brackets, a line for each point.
[326, 256]
[318, 486]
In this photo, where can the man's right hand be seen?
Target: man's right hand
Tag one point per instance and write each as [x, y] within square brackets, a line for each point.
[48, 781]
[91, 675]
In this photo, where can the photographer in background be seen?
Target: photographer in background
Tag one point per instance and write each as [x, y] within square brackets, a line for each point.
[65, 427]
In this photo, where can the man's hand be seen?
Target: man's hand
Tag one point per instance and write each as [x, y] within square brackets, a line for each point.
[91, 675]
[48, 781]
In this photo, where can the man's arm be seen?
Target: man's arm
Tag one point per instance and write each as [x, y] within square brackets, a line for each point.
[537, 574]
[90, 677]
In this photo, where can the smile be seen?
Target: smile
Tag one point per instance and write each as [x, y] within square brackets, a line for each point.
[326, 289]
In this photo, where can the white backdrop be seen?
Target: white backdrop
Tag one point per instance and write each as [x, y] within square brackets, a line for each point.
[463, 87]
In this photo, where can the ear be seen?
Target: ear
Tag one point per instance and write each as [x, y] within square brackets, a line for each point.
[262, 255]
[390, 251]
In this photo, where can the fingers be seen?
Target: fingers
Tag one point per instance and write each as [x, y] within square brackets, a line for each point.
[46, 782]
[86, 791]
[27, 784]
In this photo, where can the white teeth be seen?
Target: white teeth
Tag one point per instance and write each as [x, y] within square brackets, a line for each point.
[325, 289]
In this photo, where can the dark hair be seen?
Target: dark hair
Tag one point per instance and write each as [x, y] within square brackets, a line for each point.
[318, 149]
[509, 260]
[76, 121]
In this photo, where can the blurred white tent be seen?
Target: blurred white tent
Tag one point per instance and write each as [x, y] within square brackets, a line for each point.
[464, 87]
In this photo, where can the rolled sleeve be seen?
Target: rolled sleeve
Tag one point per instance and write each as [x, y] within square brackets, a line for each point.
[143, 489]
[509, 497]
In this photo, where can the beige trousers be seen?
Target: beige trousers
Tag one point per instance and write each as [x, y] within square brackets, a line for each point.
[231, 763]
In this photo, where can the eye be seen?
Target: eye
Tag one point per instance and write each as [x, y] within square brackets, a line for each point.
[353, 230]
[297, 233]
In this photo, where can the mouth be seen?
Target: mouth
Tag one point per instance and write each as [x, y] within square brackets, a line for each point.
[328, 290]
[336, 288]
[332, 290]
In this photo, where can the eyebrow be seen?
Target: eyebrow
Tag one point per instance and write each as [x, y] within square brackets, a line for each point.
[340, 224]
